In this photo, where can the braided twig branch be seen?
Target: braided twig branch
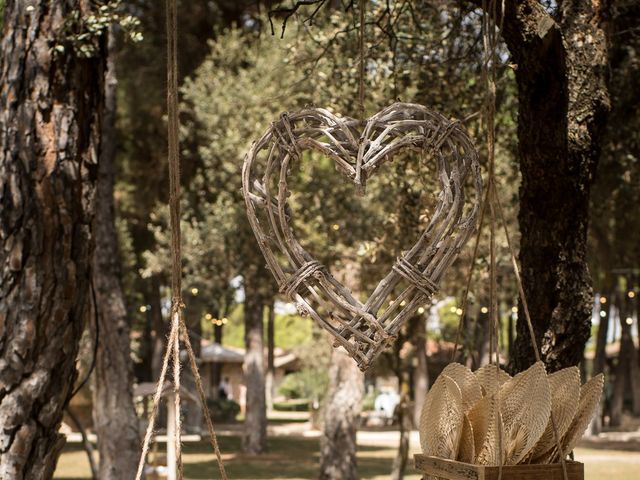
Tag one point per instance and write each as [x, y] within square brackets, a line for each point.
[363, 329]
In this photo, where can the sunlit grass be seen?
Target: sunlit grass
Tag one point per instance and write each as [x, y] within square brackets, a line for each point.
[296, 458]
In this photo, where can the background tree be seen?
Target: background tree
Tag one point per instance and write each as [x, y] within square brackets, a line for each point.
[560, 52]
[114, 415]
[52, 82]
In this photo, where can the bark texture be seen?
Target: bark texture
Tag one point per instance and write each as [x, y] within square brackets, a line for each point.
[114, 415]
[420, 371]
[255, 423]
[50, 110]
[343, 404]
[561, 75]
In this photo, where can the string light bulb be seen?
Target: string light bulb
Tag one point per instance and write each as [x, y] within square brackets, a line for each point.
[514, 309]
[194, 291]
[629, 320]
[458, 311]
[143, 308]
[335, 227]
[420, 310]
[603, 313]
[484, 310]
[603, 300]
[631, 294]
[208, 316]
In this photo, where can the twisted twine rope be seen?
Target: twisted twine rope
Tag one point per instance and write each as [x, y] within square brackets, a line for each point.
[178, 326]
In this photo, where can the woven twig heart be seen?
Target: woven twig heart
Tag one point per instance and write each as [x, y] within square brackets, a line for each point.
[363, 329]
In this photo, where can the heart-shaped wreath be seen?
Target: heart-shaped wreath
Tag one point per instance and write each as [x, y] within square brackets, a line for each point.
[363, 329]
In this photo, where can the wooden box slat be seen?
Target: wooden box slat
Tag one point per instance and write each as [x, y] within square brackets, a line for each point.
[452, 470]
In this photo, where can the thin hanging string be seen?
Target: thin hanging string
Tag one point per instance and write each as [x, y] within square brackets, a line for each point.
[177, 320]
[361, 50]
[467, 287]
[490, 44]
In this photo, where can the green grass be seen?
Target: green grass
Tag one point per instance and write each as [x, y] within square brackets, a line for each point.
[296, 458]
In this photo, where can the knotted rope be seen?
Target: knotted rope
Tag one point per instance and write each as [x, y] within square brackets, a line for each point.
[178, 326]
[492, 198]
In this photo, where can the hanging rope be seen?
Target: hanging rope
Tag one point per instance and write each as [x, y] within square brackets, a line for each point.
[489, 37]
[178, 326]
[361, 50]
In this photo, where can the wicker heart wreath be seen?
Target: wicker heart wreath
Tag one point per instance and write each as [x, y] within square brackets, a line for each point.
[363, 329]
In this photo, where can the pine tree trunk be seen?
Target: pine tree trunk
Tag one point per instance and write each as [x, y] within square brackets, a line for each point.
[255, 423]
[420, 372]
[50, 111]
[114, 415]
[405, 423]
[343, 404]
[160, 328]
[561, 75]
[622, 372]
[271, 370]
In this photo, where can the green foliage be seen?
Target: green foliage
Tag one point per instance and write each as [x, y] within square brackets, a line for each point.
[298, 405]
[223, 410]
[82, 32]
[369, 400]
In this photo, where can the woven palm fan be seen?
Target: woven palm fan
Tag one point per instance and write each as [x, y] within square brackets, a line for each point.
[565, 394]
[441, 437]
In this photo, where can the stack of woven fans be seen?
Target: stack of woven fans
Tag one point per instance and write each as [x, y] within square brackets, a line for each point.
[488, 417]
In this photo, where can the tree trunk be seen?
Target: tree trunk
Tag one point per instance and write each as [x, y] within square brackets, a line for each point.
[50, 111]
[623, 370]
[561, 75]
[160, 328]
[343, 403]
[255, 423]
[600, 357]
[114, 415]
[420, 372]
[599, 364]
[271, 370]
[405, 423]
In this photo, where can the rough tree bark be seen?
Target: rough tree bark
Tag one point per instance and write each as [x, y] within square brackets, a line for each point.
[271, 369]
[418, 328]
[114, 414]
[50, 112]
[561, 75]
[343, 405]
[255, 424]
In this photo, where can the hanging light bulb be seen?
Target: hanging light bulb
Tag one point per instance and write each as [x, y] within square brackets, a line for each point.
[514, 309]
[208, 316]
[631, 294]
[458, 311]
[194, 291]
[603, 313]
[629, 320]
[453, 309]
[603, 300]
[143, 308]
[225, 320]
[420, 310]
[484, 310]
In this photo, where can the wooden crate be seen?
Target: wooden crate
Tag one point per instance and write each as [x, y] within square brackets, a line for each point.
[452, 470]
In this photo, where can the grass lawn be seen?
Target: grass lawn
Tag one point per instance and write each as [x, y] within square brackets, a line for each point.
[296, 458]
